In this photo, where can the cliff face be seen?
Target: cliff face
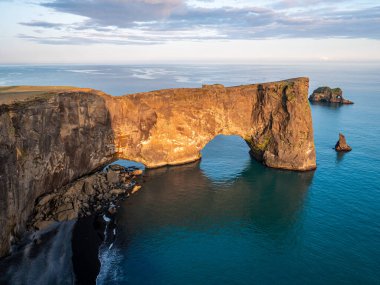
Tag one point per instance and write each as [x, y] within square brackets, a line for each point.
[51, 137]
[172, 126]
[44, 144]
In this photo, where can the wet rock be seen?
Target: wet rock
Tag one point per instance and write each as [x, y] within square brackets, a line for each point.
[137, 172]
[112, 210]
[116, 167]
[329, 95]
[80, 197]
[67, 215]
[136, 188]
[342, 145]
[117, 191]
[39, 225]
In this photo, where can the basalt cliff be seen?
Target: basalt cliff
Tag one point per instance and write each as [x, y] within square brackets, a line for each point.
[50, 136]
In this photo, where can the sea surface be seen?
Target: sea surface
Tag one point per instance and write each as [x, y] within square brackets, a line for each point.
[229, 220]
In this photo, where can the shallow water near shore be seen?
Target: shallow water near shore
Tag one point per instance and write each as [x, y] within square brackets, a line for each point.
[229, 220]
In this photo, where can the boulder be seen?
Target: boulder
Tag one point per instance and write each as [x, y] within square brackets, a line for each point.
[117, 191]
[66, 215]
[137, 172]
[112, 210]
[45, 199]
[136, 188]
[112, 176]
[341, 144]
[116, 167]
[43, 224]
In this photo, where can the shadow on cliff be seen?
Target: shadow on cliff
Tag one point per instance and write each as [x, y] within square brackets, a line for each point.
[46, 143]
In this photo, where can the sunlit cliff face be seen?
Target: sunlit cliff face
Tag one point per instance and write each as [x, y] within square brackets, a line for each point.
[168, 127]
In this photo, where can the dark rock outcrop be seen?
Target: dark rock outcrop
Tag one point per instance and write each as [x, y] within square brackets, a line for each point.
[341, 144]
[328, 95]
[84, 197]
[50, 136]
[45, 143]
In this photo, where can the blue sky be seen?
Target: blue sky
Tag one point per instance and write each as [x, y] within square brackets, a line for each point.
[128, 31]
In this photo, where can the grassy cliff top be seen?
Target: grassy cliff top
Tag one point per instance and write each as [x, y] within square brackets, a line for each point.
[11, 94]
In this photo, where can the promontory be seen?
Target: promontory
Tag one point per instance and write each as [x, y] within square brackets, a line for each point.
[50, 136]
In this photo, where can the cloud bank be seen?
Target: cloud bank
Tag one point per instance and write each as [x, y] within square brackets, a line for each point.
[158, 21]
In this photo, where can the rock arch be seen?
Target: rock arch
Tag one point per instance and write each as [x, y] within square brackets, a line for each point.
[172, 126]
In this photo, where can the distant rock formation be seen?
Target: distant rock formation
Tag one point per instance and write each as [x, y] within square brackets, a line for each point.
[51, 136]
[342, 145]
[328, 95]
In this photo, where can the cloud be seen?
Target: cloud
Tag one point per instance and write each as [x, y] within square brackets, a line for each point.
[42, 24]
[157, 21]
[118, 12]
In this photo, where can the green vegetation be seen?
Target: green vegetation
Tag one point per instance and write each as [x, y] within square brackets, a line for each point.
[260, 146]
[336, 90]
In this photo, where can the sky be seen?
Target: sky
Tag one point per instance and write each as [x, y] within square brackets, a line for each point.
[174, 31]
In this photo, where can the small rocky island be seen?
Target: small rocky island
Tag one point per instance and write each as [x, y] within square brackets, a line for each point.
[341, 145]
[329, 95]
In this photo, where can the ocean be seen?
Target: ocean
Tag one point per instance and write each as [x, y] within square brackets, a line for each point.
[229, 220]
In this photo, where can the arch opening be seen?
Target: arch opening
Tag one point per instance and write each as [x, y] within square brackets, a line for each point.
[225, 157]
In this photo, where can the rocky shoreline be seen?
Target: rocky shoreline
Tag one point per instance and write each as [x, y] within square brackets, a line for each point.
[92, 194]
[83, 212]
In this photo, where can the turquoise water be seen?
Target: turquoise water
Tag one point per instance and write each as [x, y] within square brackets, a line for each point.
[229, 220]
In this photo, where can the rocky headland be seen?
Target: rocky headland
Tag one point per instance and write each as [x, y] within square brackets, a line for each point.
[52, 136]
[329, 95]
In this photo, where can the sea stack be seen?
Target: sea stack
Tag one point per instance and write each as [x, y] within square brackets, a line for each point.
[329, 95]
[342, 145]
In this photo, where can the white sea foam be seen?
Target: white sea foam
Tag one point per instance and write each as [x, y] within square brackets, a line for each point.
[148, 73]
[182, 79]
[86, 71]
[106, 219]
[110, 270]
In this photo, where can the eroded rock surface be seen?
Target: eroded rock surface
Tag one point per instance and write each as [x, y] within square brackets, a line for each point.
[329, 95]
[85, 196]
[45, 143]
[51, 136]
[172, 126]
[341, 144]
